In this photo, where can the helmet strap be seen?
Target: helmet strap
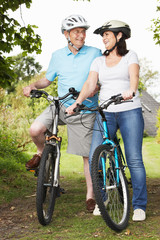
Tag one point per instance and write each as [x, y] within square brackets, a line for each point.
[71, 44]
[107, 52]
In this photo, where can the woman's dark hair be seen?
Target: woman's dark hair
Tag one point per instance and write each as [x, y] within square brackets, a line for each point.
[122, 47]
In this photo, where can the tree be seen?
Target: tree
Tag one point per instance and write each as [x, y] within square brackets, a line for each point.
[148, 77]
[155, 28]
[24, 67]
[13, 34]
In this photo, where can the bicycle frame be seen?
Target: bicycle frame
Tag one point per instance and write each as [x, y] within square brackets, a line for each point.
[52, 140]
[108, 141]
[48, 182]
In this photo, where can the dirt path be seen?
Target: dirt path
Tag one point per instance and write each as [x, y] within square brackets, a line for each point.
[18, 219]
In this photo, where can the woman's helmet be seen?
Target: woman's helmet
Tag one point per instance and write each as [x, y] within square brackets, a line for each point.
[74, 21]
[115, 26]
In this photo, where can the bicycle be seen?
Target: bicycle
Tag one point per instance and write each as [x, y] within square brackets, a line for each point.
[48, 182]
[108, 166]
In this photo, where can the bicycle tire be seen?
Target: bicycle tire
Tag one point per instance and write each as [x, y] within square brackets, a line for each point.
[112, 200]
[46, 193]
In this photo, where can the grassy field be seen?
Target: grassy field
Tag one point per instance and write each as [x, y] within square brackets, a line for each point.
[18, 218]
[151, 155]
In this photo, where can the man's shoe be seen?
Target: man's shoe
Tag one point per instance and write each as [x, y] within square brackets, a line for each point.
[34, 162]
[139, 215]
[90, 205]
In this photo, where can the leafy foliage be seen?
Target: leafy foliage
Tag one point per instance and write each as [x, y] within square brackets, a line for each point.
[13, 34]
[155, 28]
[147, 76]
[24, 68]
[18, 112]
[10, 158]
[158, 126]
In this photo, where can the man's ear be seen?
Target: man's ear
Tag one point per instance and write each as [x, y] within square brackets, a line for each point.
[66, 34]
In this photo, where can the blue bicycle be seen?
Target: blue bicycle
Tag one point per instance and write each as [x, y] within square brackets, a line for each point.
[107, 170]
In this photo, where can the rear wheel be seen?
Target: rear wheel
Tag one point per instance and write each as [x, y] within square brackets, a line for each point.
[46, 193]
[111, 195]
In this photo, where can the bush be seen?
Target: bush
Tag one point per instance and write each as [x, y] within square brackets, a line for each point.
[11, 159]
[18, 112]
[158, 125]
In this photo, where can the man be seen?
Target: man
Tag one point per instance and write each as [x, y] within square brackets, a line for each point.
[71, 64]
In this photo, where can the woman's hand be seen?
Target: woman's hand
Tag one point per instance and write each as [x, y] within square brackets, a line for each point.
[128, 94]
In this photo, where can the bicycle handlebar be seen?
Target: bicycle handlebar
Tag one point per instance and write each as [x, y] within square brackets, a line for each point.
[39, 93]
[116, 99]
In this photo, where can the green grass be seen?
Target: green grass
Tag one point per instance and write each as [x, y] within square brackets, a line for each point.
[151, 156]
[14, 176]
[70, 219]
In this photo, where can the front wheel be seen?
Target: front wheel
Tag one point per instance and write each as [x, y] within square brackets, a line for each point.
[112, 195]
[46, 192]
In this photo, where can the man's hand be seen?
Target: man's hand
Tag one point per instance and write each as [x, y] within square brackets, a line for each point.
[27, 90]
[42, 83]
[70, 109]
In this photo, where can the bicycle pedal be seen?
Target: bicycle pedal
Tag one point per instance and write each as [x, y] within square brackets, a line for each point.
[30, 170]
[33, 170]
[62, 191]
[58, 194]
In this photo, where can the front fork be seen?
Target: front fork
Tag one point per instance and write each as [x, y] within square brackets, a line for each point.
[56, 169]
[113, 145]
[56, 142]
[116, 167]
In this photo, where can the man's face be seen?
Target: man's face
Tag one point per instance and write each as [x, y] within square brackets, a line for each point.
[77, 36]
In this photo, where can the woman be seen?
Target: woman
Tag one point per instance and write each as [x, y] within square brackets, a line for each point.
[118, 72]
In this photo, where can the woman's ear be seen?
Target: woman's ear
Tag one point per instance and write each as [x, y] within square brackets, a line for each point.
[119, 36]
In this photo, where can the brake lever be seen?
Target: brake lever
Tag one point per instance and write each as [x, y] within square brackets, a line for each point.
[121, 100]
[78, 108]
[72, 115]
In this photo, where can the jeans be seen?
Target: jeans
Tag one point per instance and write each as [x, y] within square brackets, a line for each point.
[131, 125]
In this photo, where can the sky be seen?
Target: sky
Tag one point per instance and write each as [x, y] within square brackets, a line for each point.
[48, 16]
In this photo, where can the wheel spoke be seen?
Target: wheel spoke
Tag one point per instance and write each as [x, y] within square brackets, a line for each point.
[46, 193]
[112, 198]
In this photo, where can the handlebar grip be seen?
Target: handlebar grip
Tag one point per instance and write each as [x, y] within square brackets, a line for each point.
[79, 108]
[76, 109]
[35, 93]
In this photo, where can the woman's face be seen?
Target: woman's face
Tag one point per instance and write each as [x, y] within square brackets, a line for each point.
[109, 39]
